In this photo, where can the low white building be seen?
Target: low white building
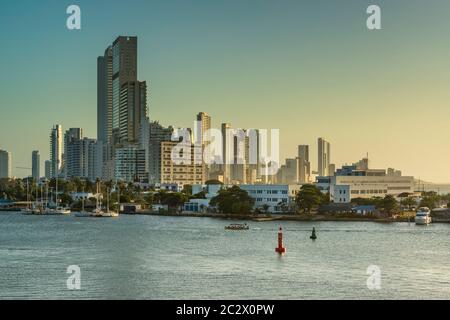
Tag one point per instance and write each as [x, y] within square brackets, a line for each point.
[273, 197]
[350, 182]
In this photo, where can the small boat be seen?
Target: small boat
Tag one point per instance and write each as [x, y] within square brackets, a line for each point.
[62, 211]
[83, 214]
[237, 226]
[423, 216]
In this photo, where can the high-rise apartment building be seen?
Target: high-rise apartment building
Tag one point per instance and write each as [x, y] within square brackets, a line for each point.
[56, 151]
[189, 172]
[71, 135]
[158, 134]
[35, 165]
[130, 164]
[84, 158]
[5, 164]
[323, 160]
[304, 164]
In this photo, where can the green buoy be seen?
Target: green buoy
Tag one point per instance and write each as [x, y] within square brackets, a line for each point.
[313, 234]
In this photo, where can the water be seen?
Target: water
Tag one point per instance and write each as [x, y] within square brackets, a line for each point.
[151, 257]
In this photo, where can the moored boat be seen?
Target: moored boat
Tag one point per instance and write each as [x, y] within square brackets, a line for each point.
[423, 216]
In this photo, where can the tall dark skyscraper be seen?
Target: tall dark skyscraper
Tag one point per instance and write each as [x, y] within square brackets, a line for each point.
[133, 108]
[35, 165]
[122, 116]
[104, 96]
[124, 69]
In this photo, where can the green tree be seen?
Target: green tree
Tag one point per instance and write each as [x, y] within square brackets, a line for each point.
[389, 204]
[174, 200]
[408, 202]
[233, 200]
[213, 181]
[308, 198]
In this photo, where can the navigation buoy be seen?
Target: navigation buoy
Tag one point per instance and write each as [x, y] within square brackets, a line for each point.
[313, 234]
[280, 249]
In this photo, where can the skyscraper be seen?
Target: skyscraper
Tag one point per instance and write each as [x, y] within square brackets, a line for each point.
[323, 157]
[73, 134]
[55, 151]
[158, 134]
[5, 164]
[104, 96]
[132, 110]
[35, 165]
[304, 164]
[124, 69]
[227, 151]
[48, 166]
[204, 120]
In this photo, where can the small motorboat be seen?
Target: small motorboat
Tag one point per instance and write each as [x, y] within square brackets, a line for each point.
[237, 226]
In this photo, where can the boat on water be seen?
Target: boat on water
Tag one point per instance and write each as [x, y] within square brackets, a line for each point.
[423, 216]
[237, 226]
[83, 214]
[98, 212]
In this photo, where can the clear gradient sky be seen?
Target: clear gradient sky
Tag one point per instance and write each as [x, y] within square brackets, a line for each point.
[310, 68]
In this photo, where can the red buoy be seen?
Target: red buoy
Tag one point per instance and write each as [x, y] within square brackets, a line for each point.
[280, 249]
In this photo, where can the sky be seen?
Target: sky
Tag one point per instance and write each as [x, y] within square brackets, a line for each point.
[309, 68]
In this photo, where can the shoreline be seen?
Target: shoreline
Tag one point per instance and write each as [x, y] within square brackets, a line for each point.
[281, 217]
[275, 217]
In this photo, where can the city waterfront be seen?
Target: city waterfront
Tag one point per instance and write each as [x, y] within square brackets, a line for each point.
[157, 257]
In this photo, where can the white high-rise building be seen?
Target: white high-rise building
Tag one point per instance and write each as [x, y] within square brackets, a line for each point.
[56, 151]
[5, 164]
[323, 157]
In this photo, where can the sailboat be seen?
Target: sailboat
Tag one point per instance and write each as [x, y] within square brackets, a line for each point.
[28, 209]
[83, 213]
[59, 209]
[107, 213]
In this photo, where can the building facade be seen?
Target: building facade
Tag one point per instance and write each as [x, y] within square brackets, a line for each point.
[158, 134]
[324, 157]
[5, 164]
[56, 151]
[183, 167]
[352, 182]
[130, 164]
[36, 165]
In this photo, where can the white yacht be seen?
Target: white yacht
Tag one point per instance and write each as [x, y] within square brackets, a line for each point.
[423, 216]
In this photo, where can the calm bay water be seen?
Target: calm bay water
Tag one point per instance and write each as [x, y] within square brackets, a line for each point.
[151, 257]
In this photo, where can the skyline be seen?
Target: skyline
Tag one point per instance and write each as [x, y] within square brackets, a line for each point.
[218, 70]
